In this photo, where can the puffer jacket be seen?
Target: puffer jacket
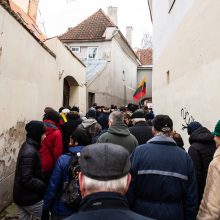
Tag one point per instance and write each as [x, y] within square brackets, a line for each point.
[52, 146]
[119, 134]
[163, 184]
[142, 131]
[201, 151]
[210, 204]
[29, 187]
[52, 199]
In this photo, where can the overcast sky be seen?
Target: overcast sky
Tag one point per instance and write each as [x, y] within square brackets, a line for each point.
[58, 15]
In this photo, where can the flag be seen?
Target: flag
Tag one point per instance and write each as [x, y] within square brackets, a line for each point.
[140, 91]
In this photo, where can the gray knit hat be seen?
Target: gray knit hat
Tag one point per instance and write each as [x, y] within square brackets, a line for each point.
[104, 161]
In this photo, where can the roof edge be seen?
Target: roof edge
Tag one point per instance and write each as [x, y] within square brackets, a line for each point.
[6, 6]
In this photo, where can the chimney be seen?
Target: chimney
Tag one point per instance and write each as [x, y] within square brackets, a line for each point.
[129, 30]
[112, 14]
[32, 9]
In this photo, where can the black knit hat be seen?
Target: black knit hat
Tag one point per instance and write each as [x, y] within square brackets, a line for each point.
[104, 161]
[91, 113]
[53, 116]
[192, 127]
[163, 123]
[35, 129]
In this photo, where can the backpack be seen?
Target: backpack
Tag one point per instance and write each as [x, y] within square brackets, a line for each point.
[71, 193]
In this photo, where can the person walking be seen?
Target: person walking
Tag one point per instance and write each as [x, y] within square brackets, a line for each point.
[201, 151]
[210, 205]
[104, 180]
[29, 188]
[118, 133]
[163, 184]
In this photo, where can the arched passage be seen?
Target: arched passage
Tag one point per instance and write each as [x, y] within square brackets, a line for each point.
[68, 82]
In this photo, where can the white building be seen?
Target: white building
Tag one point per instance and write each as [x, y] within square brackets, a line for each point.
[111, 72]
[186, 61]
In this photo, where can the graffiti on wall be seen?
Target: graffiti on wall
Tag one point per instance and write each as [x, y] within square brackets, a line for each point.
[187, 118]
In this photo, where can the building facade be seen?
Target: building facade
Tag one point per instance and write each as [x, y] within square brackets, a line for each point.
[111, 72]
[186, 61]
[32, 77]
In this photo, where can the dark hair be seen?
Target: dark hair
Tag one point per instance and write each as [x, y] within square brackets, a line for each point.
[80, 137]
[53, 116]
[75, 108]
[163, 123]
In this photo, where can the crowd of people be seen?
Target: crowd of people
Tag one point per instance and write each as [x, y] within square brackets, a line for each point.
[132, 165]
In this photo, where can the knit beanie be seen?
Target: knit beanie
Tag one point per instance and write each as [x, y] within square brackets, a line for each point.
[35, 129]
[192, 127]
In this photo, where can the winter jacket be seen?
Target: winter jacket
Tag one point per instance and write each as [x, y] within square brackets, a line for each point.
[119, 134]
[107, 206]
[201, 151]
[91, 128]
[103, 120]
[210, 204]
[52, 199]
[52, 146]
[142, 131]
[29, 187]
[163, 184]
[68, 129]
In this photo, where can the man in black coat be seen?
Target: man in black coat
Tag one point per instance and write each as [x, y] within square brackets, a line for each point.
[141, 129]
[104, 180]
[201, 151]
[29, 187]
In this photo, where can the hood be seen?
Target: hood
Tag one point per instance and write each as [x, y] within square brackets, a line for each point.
[119, 129]
[201, 134]
[88, 122]
[50, 126]
[162, 139]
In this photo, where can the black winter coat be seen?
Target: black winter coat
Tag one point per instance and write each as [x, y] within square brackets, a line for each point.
[142, 131]
[201, 151]
[107, 206]
[29, 187]
[68, 128]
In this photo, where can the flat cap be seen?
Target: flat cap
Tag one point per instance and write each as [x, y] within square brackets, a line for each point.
[104, 161]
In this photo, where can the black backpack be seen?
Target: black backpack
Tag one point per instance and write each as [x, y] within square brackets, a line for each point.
[71, 192]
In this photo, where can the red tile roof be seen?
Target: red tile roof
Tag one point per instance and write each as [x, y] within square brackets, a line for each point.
[91, 29]
[27, 21]
[145, 56]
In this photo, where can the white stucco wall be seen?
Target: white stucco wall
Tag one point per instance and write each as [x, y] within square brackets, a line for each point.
[29, 81]
[164, 23]
[69, 66]
[192, 56]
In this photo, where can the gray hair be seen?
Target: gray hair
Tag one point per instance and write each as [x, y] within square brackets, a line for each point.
[116, 117]
[117, 185]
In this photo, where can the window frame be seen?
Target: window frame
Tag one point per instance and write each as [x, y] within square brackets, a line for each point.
[171, 4]
[75, 51]
[88, 50]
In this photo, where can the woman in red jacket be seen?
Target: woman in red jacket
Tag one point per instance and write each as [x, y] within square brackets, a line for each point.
[52, 146]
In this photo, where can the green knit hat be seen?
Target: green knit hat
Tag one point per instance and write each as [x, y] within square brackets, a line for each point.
[216, 132]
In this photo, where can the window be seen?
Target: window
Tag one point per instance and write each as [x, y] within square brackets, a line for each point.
[92, 53]
[75, 49]
[171, 3]
[168, 77]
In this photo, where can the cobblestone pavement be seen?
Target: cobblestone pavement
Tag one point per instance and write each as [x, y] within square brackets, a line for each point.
[9, 213]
